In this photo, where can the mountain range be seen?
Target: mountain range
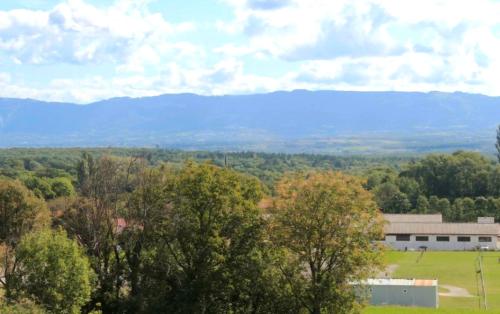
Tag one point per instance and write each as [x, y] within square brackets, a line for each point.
[295, 121]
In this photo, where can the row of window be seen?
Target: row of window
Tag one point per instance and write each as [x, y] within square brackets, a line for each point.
[406, 237]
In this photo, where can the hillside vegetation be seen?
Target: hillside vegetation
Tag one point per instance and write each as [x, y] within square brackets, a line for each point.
[297, 121]
[151, 230]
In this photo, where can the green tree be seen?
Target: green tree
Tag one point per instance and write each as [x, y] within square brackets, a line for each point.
[423, 205]
[494, 182]
[326, 223]
[391, 199]
[21, 307]
[104, 188]
[410, 187]
[209, 252]
[497, 145]
[62, 187]
[458, 175]
[52, 271]
[464, 209]
[20, 211]
[40, 186]
[445, 209]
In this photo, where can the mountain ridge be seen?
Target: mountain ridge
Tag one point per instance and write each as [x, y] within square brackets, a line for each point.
[235, 120]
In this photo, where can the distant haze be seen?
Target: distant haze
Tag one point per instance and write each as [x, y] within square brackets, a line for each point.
[298, 121]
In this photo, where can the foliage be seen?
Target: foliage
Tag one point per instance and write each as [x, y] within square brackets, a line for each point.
[165, 235]
[211, 238]
[20, 211]
[326, 223]
[461, 186]
[21, 307]
[53, 271]
[268, 167]
[62, 187]
[92, 217]
[497, 144]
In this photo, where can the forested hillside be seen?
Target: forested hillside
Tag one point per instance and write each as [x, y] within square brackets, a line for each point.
[297, 121]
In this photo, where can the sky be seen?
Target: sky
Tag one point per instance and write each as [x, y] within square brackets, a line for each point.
[87, 50]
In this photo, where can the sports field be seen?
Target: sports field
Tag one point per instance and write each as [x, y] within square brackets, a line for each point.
[456, 269]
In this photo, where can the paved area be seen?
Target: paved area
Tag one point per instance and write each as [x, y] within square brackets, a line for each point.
[455, 292]
[389, 270]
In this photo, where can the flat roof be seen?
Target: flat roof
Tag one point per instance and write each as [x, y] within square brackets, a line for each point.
[436, 218]
[401, 282]
[442, 228]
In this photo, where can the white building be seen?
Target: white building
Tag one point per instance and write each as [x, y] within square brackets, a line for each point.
[413, 232]
[402, 292]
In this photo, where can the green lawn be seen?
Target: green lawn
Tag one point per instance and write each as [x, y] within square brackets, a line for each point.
[451, 268]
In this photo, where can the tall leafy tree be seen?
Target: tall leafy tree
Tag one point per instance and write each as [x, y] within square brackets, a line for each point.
[497, 145]
[145, 211]
[53, 271]
[208, 257]
[20, 212]
[423, 205]
[104, 185]
[326, 223]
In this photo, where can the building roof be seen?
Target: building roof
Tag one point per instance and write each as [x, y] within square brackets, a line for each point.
[442, 228]
[435, 218]
[401, 282]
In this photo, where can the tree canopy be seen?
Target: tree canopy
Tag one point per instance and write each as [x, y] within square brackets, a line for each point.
[53, 271]
[327, 224]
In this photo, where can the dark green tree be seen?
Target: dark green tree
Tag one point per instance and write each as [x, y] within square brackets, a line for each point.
[390, 199]
[497, 144]
[464, 209]
[423, 206]
[209, 252]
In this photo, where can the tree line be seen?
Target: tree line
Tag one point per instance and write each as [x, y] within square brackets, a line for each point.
[461, 186]
[190, 238]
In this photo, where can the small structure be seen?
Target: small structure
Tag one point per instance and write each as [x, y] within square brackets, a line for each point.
[414, 232]
[403, 292]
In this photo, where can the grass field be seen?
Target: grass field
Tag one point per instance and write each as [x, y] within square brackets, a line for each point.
[450, 268]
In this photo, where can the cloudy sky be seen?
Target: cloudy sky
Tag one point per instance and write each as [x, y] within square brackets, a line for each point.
[86, 50]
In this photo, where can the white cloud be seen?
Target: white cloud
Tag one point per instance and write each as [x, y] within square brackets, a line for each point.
[376, 44]
[226, 77]
[125, 33]
[343, 44]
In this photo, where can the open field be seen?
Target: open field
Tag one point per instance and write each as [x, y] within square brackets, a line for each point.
[453, 269]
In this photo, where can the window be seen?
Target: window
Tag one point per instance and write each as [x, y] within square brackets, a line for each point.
[463, 239]
[484, 239]
[422, 238]
[402, 237]
[443, 239]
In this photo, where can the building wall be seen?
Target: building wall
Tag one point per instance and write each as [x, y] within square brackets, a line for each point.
[423, 296]
[433, 244]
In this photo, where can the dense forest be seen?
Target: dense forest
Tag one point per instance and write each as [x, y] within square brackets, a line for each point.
[461, 186]
[122, 236]
[162, 231]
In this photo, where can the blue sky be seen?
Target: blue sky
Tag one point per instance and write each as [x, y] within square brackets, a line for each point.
[86, 50]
